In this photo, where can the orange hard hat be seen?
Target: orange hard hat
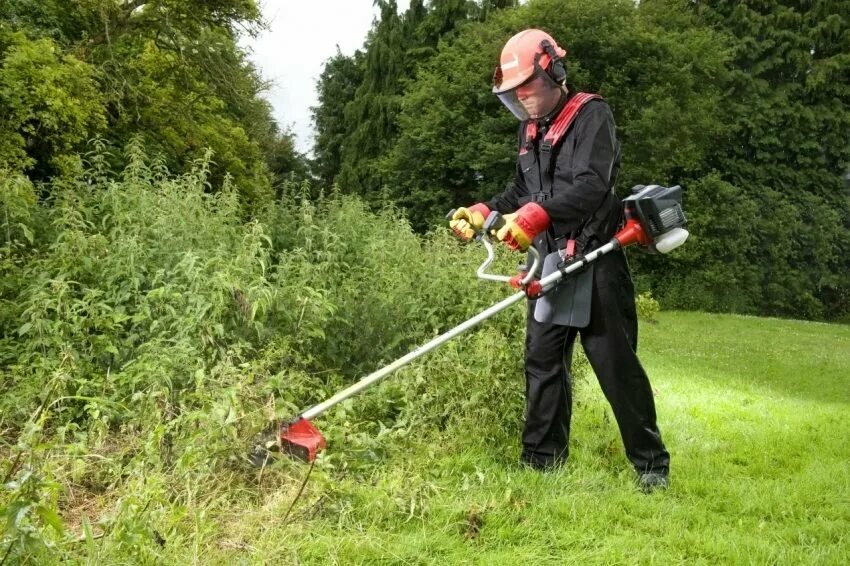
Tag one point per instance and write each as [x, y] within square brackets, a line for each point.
[522, 55]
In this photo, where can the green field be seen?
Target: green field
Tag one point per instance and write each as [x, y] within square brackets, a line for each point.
[754, 411]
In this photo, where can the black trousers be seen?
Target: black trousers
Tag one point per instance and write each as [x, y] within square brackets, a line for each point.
[610, 342]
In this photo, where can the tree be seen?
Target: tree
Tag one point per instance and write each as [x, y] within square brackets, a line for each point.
[336, 87]
[356, 120]
[788, 115]
[744, 104]
[487, 7]
[370, 116]
[51, 104]
[172, 71]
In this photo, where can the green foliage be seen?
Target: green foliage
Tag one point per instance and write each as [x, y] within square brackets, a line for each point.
[167, 70]
[19, 207]
[744, 105]
[146, 326]
[125, 320]
[51, 104]
[147, 332]
[370, 116]
[647, 307]
[712, 267]
[454, 136]
[760, 448]
[360, 96]
[785, 148]
[149, 326]
[30, 507]
[337, 84]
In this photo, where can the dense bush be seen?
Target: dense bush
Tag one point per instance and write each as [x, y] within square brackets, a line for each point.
[647, 307]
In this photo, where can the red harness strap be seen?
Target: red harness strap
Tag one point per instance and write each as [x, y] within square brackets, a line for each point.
[566, 117]
[530, 135]
[560, 125]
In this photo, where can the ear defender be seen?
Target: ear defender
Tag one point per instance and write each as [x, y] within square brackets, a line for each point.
[556, 68]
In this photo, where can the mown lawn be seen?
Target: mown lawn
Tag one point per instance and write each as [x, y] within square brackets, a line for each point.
[756, 414]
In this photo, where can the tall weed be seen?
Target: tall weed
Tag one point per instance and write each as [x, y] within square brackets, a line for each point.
[149, 330]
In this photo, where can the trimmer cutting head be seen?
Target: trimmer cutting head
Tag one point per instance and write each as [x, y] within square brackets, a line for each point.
[300, 439]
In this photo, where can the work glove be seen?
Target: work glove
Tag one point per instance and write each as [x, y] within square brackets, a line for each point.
[466, 221]
[522, 226]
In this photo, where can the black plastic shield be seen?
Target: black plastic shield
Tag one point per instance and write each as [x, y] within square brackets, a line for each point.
[568, 304]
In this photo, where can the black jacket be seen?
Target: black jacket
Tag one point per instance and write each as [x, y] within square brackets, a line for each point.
[573, 181]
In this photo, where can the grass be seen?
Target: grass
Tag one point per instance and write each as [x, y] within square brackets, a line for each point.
[753, 410]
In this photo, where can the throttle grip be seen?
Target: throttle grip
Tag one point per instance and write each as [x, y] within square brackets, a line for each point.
[494, 222]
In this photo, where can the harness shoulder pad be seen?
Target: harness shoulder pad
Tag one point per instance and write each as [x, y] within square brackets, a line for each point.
[565, 119]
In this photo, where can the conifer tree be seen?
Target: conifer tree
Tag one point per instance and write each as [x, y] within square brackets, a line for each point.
[340, 78]
[395, 47]
[788, 146]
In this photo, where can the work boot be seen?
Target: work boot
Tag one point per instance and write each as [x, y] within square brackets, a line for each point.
[541, 463]
[652, 481]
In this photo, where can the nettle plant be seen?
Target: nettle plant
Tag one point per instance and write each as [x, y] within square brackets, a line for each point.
[129, 303]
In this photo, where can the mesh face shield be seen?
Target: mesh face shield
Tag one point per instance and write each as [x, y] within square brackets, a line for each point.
[534, 98]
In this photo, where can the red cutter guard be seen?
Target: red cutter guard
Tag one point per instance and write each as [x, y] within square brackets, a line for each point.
[300, 439]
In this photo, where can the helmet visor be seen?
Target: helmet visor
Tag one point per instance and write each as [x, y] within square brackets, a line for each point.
[534, 98]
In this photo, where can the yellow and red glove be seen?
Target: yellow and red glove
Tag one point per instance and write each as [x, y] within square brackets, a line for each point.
[466, 221]
[522, 226]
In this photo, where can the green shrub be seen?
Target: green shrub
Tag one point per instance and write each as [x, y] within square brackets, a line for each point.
[647, 307]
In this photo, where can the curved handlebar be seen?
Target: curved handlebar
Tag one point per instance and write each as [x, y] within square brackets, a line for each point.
[494, 222]
[535, 265]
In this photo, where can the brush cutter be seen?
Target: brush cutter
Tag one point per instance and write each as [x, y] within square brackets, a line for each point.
[654, 220]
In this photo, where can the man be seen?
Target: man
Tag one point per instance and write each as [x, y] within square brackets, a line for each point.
[562, 201]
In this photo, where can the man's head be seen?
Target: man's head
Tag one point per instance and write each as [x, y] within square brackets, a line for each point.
[530, 77]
